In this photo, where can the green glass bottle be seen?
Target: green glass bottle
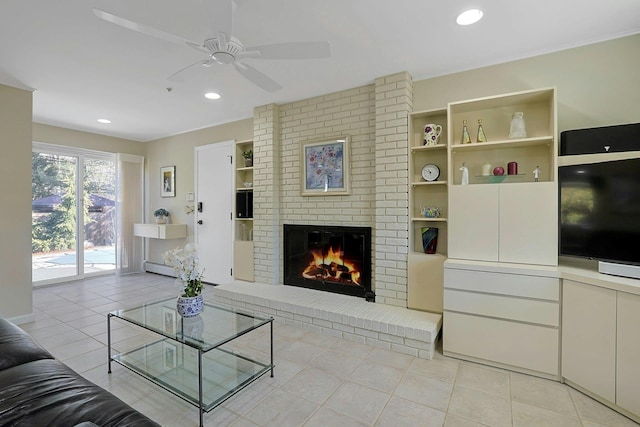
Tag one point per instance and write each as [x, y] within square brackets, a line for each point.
[481, 135]
[466, 139]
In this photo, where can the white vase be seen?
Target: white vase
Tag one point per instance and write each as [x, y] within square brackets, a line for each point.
[190, 306]
[161, 220]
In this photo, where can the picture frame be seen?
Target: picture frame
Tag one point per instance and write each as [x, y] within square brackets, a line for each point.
[168, 181]
[324, 167]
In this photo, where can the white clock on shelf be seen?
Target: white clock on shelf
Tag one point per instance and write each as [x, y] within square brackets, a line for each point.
[430, 172]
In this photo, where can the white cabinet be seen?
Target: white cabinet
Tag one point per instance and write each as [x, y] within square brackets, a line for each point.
[425, 276]
[243, 260]
[503, 316]
[504, 223]
[588, 338]
[474, 220]
[528, 223]
[601, 343]
[628, 353]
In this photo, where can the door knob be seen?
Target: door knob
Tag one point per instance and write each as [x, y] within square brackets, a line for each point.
[200, 221]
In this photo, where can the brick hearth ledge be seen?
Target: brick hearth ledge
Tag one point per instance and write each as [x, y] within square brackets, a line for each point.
[394, 328]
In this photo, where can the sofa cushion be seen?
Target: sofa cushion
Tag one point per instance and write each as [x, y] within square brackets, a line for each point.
[47, 392]
[16, 346]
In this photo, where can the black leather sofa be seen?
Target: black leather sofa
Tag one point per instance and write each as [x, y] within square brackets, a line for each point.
[38, 390]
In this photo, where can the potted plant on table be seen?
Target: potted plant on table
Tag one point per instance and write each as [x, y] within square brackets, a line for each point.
[248, 158]
[185, 264]
[161, 215]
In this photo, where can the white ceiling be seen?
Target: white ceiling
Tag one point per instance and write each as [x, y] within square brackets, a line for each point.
[83, 68]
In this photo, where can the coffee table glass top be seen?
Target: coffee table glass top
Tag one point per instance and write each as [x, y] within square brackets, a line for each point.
[213, 327]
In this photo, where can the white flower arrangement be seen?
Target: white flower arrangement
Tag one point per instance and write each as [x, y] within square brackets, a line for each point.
[185, 264]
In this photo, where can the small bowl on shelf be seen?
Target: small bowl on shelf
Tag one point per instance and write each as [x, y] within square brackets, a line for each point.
[247, 184]
[431, 212]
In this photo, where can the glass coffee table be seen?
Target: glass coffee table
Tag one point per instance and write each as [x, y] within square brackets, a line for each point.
[193, 358]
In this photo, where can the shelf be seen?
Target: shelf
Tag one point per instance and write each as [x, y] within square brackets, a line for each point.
[229, 371]
[533, 96]
[428, 147]
[160, 231]
[507, 143]
[244, 219]
[425, 219]
[420, 183]
[497, 179]
[244, 189]
[245, 168]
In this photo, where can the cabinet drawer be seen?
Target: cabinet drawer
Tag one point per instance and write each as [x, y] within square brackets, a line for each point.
[517, 344]
[540, 287]
[160, 231]
[146, 230]
[504, 307]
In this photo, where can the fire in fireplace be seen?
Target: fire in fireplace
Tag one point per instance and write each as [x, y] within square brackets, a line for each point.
[330, 258]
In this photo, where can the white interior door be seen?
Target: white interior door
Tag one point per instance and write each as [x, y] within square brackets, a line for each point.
[214, 207]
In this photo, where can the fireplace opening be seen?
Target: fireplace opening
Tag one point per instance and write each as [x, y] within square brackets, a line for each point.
[329, 258]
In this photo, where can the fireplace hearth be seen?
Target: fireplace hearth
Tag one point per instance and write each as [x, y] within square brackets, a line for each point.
[329, 258]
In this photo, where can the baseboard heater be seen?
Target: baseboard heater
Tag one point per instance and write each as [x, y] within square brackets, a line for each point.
[153, 267]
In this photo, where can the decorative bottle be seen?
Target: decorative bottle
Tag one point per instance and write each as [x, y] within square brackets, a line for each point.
[466, 139]
[481, 135]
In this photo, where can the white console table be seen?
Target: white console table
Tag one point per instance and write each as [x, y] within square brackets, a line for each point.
[160, 231]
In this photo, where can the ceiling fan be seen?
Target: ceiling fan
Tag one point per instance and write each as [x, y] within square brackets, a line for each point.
[223, 48]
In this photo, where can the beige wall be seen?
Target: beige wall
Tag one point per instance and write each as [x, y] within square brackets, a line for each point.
[74, 138]
[15, 215]
[597, 85]
[178, 151]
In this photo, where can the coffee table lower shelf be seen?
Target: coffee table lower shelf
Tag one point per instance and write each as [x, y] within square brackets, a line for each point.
[174, 367]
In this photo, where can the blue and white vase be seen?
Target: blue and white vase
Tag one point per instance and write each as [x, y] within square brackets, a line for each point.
[190, 306]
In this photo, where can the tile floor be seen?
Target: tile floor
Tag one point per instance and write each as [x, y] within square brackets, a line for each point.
[319, 380]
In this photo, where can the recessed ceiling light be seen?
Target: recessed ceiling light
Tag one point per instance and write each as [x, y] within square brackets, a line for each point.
[105, 121]
[469, 17]
[212, 95]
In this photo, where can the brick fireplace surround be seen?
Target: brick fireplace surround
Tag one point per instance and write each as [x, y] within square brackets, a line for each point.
[374, 117]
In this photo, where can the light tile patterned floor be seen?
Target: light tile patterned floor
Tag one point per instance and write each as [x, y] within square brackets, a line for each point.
[319, 380]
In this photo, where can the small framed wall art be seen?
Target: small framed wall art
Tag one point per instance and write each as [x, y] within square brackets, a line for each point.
[168, 181]
[325, 167]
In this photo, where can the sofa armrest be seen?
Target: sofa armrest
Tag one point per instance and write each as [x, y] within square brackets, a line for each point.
[17, 346]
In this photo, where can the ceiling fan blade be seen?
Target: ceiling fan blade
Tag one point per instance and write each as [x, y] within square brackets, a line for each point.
[220, 15]
[256, 77]
[178, 76]
[198, 47]
[293, 50]
[140, 28]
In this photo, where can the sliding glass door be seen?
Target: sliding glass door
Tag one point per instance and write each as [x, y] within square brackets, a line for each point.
[73, 213]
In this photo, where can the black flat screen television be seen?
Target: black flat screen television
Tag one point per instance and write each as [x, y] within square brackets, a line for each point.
[600, 211]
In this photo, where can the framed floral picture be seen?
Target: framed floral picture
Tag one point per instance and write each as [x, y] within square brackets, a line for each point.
[168, 181]
[325, 167]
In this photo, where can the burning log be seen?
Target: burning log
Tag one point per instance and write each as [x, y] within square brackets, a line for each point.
[331, 267]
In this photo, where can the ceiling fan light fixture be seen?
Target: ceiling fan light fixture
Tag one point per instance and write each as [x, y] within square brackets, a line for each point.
[470, 16]
[212, 95]
[223, 57]
[104, 121]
